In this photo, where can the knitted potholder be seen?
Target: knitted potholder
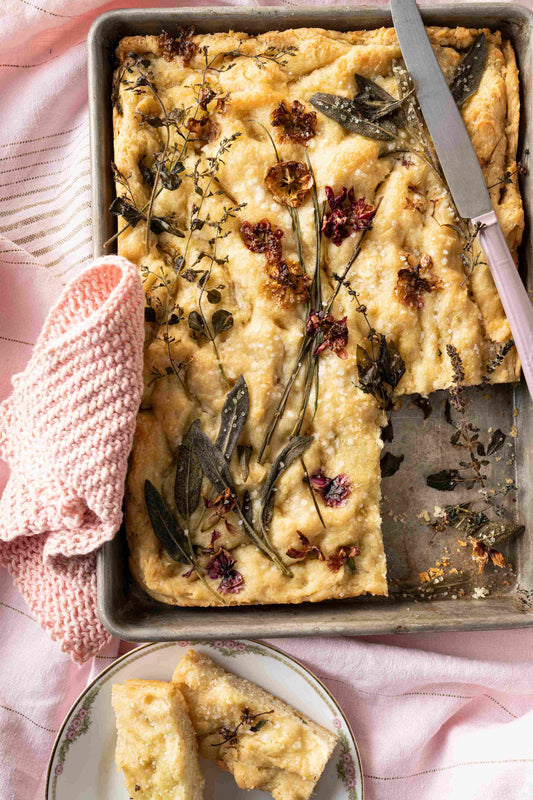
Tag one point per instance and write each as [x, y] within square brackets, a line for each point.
[66, 433]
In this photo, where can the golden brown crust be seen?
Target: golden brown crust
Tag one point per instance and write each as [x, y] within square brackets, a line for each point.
[285, 757]
[264, 341]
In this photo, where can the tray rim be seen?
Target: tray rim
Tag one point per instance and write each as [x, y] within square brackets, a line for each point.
[327, 618]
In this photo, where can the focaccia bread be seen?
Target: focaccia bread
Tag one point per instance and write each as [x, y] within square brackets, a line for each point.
[261, 740]
[221, 242]
[156, 745]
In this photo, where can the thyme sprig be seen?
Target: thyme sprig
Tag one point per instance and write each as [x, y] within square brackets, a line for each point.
[230, 736]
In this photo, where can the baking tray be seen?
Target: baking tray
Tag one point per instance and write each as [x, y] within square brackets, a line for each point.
[126, 610]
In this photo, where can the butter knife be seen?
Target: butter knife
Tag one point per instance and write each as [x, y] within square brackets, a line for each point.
[463, 173]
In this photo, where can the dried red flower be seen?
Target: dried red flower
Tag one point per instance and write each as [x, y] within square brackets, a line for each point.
[261, 237]
[344, 555]
[297, 125]
[306, 548]
[334, 332]
[221, 565]
[204, 129]
[411, 284]
[222, 505]
[289, 285]
[178, 45]
[333, 491]
[206, 95]
[346, 215]
[289, 182]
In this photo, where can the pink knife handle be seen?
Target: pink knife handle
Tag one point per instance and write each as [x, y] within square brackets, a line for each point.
[515, 299]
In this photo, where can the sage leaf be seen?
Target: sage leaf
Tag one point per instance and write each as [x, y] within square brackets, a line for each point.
[244, 453]
[189, 475]
[468, 76]
[493, 533]
[345, 112]
[375, 102]
[165, 526]
[445, 481]
[233, 418]
[213, 462]
[293, 450]
[369, 90]
[390, 464]
[217, 472]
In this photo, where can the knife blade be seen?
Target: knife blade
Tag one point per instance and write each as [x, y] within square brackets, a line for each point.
[455, 151]
[463, 173]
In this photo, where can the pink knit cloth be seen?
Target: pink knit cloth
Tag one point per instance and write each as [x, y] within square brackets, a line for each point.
[66, 433]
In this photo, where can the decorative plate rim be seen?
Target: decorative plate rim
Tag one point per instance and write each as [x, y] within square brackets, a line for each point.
[148, 645]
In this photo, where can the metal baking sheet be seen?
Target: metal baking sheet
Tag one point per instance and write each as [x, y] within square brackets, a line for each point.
[411, 546]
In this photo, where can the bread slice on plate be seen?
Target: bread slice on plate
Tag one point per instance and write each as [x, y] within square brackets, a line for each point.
[265, 743]
[156, 744]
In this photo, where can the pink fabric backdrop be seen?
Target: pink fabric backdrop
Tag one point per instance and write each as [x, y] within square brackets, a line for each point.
[436, 716]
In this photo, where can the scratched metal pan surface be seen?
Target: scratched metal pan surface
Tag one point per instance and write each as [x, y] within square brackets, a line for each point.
[411, 545]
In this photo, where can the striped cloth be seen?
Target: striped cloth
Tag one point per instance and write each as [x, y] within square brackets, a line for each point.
[453, 722]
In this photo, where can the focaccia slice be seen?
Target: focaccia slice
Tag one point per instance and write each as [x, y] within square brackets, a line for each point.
[156, 745]
[265, 743]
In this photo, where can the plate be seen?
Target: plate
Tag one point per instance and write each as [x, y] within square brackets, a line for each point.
[82, 763]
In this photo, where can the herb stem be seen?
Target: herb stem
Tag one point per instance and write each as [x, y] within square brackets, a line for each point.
[349, 265]
[284, 398]
[312, 491]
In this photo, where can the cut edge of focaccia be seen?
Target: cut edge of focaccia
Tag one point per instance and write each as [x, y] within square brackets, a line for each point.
[285, 756]
[156, 745]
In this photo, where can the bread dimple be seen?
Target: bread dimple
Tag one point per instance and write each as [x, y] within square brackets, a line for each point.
[156, 744]
[285, 757]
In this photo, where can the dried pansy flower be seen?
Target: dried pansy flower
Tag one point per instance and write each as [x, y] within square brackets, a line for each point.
[221, 565]
[481, 554]
[305, 549]
[261, 237]
[288, 284]
[416, 201]
[178, 45]
[333, 491]
[412, 284]
[222, 505]
[334, 332]
[344, 555]
[296, 124]
[289, 182]
[206, 95]
[346, 215]
[204, 129]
